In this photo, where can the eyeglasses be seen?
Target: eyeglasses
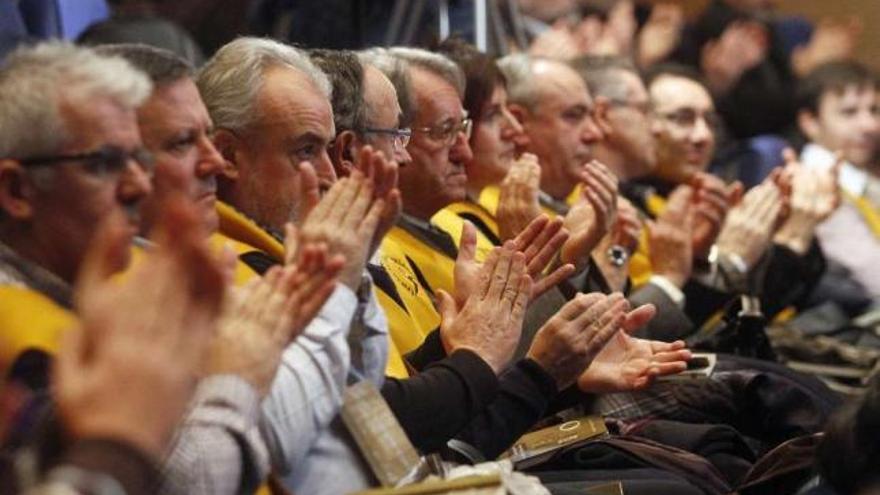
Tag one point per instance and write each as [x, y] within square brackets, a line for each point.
[448, 132]
[399, 137]
[107, 161]
[686, 119]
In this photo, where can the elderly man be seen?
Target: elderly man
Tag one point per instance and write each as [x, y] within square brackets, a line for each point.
[71, 156]
[271, 109]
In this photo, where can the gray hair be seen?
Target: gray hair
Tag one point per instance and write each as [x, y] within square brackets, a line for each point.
[35, 81]
[518, 70]
[602, 74]
[434, 63]
[395, 70]
[231, 80]
[160, 65]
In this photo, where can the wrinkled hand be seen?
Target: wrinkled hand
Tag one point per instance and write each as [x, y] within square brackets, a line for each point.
[592, 216]
[538, 242]
[741, 47]
[670, 238]
[260, 319]
[627, 229]
[128, 371]
[832, 40]
[814, 197]
[346, 220]
[557, 42]
[713, 200]
[661, 34]
[749, 227]
[383, 174]
[518, 199]
[627, 363]
[489, 322]
[620, 29]
[570, 340]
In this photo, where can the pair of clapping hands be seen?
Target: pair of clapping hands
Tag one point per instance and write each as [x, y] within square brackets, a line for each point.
[586, 342]
[130, 367]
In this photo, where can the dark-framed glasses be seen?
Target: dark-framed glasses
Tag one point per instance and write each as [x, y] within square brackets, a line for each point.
[447, 133]
[399, 137]
[106, 161]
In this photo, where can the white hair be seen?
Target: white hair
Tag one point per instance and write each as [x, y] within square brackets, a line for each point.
[35, 81]
[232, 79]
[518, 71]
[434, 63]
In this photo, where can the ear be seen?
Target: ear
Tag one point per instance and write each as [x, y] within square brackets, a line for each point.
[16, 191]
[808, 124]
[230, 147]
[342, 153]
[600, 114]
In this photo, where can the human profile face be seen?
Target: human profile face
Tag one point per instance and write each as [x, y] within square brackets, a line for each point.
[493, 142]
[848, 121]
[685, 125]
[176, 128]
[631, 138]
[295, 125]
[66, 212]
[383, 112]
[560, 127]
[436, 177]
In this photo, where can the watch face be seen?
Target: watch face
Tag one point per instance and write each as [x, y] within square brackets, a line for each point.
[617, 255]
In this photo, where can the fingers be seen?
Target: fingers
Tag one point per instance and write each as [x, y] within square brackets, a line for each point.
[309, 188]
[513, 290]
[538, 262]
[327, 203]
[525, 239]
[291, 242]
[638, 318]
[501, 273]
[108, 247]
[467, 249]
[580, 304]
[552, 280]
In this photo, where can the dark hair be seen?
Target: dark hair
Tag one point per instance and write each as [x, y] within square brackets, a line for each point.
[833, 76]
[849, 453]
[675, 70]
[481, 73]
[600, 73]
[160, 65]
[347, 77]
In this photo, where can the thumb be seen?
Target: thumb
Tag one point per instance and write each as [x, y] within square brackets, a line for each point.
[638, 318]
[468, 244]
[446, 306]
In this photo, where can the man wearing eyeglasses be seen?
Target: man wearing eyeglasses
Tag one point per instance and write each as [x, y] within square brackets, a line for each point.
[70, 155]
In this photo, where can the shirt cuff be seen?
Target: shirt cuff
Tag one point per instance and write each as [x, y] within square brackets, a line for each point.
[669, 289]
[124, 464]
[229, 392]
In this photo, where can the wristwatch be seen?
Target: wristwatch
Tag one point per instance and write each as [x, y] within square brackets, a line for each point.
[618, 255]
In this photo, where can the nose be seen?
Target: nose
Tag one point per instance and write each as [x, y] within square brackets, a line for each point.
[402, 156]
[701, 132]
[511, 129]
[461, 150]
[324, 168]
[210, 163]
[134, 184]
[590, 132]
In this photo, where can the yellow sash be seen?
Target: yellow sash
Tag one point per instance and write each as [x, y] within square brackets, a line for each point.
[238, 227]
[29, 320]
[870, 214]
